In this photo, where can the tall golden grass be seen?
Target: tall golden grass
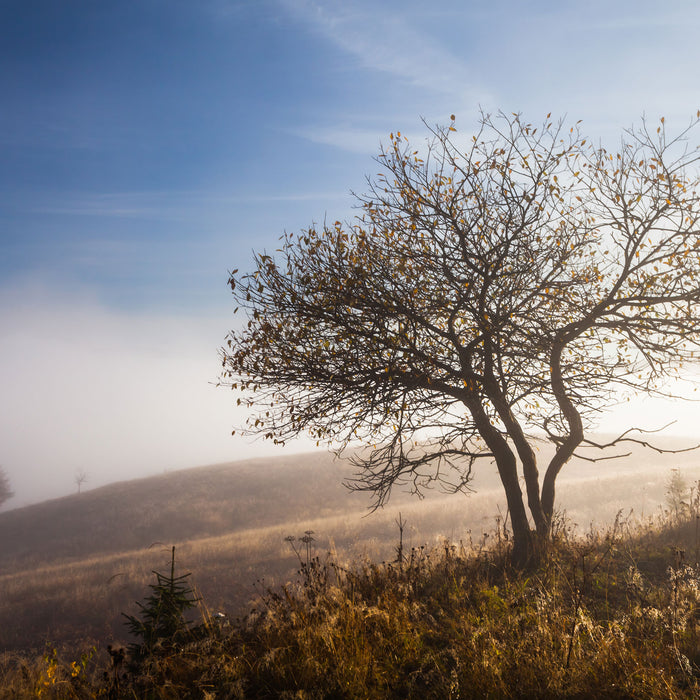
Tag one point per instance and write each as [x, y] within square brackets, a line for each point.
[615, 613]
[70, 567]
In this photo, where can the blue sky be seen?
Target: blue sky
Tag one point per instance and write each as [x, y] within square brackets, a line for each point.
[148, 147]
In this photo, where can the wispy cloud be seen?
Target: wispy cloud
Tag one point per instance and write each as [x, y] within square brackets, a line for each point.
[160, 206]
[423, 75]
[381, 38]
[683, 15]
[344, 136]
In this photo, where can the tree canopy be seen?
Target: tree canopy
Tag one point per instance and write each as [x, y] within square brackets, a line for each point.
[493, 287]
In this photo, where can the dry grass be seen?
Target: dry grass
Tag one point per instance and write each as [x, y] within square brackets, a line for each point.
[456, 623]
[615, 614]
[68, 568]
[69, 600]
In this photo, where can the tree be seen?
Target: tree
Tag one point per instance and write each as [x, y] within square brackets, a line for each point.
[162, 623]
[80, 478]
[5, 491]
[677, 493]
[494, 290]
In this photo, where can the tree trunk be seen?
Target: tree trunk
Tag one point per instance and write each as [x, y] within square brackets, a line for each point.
[507, 466]
[573, 440]
[523, 536]
[526, 454]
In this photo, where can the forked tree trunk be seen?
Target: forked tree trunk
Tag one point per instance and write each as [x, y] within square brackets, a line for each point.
[528, 544]
[522, 533]
[507, 466]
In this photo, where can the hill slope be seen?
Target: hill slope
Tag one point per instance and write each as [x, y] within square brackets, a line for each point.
[176, 506]
[70, 566]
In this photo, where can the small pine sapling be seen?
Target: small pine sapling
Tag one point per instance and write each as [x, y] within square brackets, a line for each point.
[162, 623]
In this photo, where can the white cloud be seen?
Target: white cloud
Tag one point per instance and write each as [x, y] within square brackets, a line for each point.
[604, 63]
[345, 137]
[172, 206]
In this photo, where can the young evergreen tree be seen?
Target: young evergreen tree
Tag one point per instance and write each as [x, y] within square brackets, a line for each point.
[162, 622]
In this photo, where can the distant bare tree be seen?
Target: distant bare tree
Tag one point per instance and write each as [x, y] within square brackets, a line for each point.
[677, 496]
[5, 491]
[80, 478]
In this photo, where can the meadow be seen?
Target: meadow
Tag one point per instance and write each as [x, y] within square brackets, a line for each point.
[70, 567]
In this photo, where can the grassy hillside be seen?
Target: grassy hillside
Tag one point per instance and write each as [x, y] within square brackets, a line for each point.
[260, 493]
[69, 567]
[184, 504]
[613, 615]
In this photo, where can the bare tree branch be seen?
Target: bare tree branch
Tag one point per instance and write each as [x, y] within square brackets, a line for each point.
[487, 290]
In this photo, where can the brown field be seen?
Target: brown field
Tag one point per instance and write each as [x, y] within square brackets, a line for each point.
[70, 567]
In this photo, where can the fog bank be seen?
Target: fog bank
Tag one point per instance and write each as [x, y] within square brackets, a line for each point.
[118, 395]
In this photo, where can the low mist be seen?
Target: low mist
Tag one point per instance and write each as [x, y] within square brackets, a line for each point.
[119, 395]
[114, 395]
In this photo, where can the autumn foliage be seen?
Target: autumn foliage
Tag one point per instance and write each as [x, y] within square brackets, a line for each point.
[495, 286]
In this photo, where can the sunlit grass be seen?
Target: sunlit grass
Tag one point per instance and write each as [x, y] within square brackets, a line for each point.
[60, 597]
[612, 614]
[608, 617]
